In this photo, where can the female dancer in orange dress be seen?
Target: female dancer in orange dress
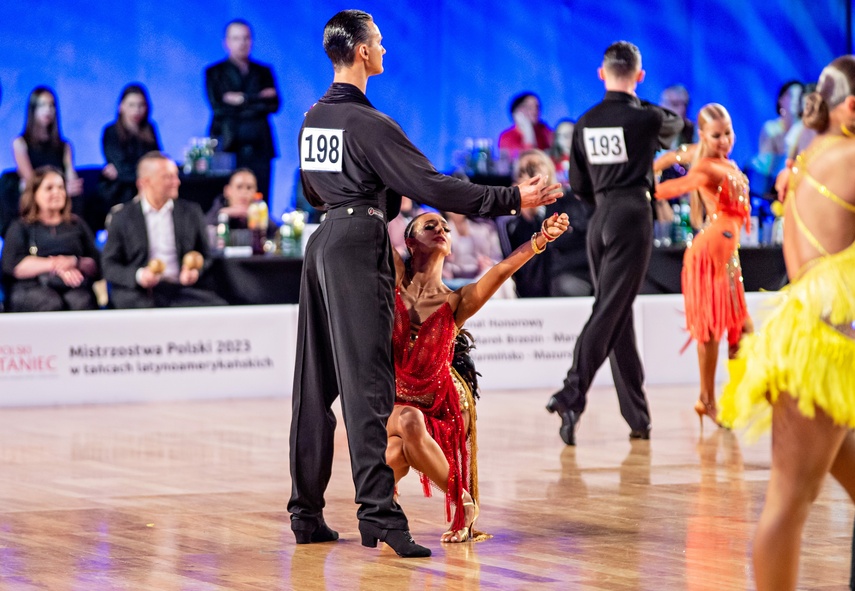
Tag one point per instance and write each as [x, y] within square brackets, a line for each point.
[429, 425]
[712, 277]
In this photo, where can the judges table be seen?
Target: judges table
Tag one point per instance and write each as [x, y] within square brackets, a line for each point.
[762, 269]
[276, 280]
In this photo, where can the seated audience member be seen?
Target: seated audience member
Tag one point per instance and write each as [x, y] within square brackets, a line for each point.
[409, 211]
[150, 244]
[124, 142]
[49, 256]
[475, 250]
[675, 98]
[772, 149]
[568, 270]
[528, 131]
[238, 194]
[559, 151]
[42, 144]
[531, 280]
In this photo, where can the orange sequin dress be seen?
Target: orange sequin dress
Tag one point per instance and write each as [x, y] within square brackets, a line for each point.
[712, 276]
[423, 380]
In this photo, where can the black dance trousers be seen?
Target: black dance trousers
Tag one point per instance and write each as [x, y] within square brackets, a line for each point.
[619, 244]
[344, 348]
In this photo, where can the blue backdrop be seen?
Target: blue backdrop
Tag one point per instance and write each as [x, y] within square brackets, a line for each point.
[451, 67]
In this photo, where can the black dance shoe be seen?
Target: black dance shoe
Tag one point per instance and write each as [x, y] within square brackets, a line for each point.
[399, 540]
[569, 418]
[640, 433]
[321, 533]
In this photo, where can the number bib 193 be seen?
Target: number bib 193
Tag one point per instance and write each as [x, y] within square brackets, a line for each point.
[605, 145]
[321, 149]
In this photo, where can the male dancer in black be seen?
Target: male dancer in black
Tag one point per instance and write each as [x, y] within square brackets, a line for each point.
[356, 162]
[613, 148]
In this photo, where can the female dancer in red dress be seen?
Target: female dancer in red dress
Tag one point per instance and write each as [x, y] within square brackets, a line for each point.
[712, 277]
[429, 426]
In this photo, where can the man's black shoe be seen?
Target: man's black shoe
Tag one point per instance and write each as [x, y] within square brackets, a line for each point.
[640, 433]
[569, 418]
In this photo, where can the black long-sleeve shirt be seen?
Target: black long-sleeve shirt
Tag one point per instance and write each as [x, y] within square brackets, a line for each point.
[352, 154]
[247, 125]
[614, 144]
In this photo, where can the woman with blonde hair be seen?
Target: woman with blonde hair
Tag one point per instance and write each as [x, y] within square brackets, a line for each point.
[799, 370]
[712, 277]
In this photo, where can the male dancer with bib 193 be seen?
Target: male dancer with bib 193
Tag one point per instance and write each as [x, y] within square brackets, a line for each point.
[614, 144]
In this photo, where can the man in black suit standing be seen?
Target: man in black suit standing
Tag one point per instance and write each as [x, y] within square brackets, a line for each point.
[243, 94]
[148, 238]
[614, 144]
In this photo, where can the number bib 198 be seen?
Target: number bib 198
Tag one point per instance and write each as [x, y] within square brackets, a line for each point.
[321, 149]
[605, 145]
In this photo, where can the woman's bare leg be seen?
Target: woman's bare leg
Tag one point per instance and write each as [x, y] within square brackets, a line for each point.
[419, 449]
[707, 361]
[395, 457]
[803, 451]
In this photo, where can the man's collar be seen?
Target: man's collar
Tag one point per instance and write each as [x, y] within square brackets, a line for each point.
[148, 207]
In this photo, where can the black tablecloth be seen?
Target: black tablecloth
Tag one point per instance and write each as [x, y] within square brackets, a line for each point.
[276, 280]
[257, 279]
[762, 269]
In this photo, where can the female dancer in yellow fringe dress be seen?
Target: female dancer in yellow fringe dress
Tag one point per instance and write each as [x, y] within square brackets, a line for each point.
[712, 277]
[800, 368]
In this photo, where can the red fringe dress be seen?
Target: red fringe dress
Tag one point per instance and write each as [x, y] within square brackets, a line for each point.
[423, 381]
[712, 276]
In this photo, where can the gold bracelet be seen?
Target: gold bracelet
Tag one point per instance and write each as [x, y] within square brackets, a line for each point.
[534, 244]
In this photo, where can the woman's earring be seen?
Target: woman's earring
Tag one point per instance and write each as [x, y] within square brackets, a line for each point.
[846, 131]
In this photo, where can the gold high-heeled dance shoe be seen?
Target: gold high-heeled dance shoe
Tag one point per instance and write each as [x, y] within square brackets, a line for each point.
[707, 409]
[461, 535]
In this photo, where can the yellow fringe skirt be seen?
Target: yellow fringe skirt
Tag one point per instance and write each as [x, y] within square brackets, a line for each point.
[805, 348]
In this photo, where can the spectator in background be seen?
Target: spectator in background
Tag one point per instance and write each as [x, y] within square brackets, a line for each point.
[235, 200]
[124, 142]
[531, 280]
[528, 131]
[675, 98]
[145, 257]
[772, 149]
[40, 144]
[559, 151]
[49, 256]
[243, 95]
[409, 210]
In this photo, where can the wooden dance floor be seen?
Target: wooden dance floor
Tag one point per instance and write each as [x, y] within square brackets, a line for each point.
[192, 496]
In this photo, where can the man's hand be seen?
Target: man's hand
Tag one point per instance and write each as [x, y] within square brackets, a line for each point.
[234, 98]
[147, 279]
[110, 172]
[188, 277]
[534, 192]
[267, 93]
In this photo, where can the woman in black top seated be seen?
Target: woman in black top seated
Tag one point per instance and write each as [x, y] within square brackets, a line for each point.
[49, 256]
[125, 141]
[42, 144]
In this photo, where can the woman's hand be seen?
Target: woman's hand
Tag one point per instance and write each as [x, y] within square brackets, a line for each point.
[71, 277]
[554, 226]
[62, 263]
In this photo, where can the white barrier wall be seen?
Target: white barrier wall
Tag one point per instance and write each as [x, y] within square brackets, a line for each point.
[247, 351]
[139, 355]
